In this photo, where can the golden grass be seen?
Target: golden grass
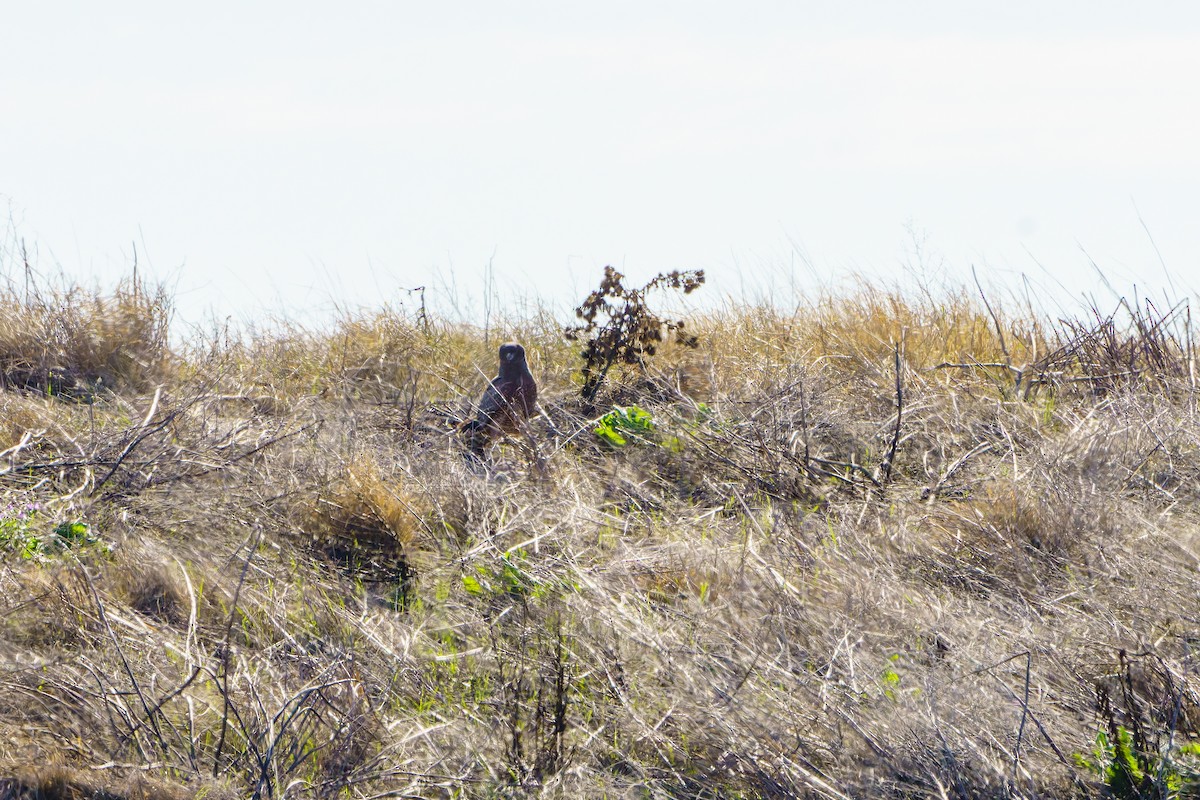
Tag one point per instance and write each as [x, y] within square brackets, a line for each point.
[786, 589]
[68, 340]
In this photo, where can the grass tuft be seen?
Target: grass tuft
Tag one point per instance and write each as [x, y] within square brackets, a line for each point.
[65, 340]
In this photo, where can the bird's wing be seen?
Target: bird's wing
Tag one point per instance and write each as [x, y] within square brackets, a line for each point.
[494, 399]
[492, 403]
[530, 390]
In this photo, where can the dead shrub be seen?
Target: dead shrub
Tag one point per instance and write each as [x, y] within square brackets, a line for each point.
[628, 331]
[1129, 347]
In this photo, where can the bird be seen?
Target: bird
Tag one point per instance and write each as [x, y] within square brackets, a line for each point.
[507, 402]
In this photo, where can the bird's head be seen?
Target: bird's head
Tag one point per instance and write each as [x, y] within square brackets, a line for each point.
[511, 353]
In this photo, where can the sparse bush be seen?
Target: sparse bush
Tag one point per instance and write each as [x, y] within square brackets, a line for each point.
[1128, 348]
[627, 331]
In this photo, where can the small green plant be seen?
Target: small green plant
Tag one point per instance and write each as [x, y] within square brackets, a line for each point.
[891, 678]
[509, 577]
[1128, 774]
[17, 529]
[1138, 760]
[620, 327]
[616, 425]
[74, 533]
[20, 532]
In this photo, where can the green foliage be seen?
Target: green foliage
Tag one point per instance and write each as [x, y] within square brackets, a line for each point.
[509, 577]
[616, 425]
[891, 678]
[21, 533]
[74, 533]
[16, 529]
[1132, 775]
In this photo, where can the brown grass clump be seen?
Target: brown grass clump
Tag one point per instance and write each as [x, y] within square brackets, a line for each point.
[62, 783]
[69, 341]
[1020, 538]
[153, 587]
[371, 525]
[879, 545]
[20, 418]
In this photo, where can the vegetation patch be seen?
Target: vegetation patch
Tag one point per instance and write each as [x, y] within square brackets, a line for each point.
[878, 544]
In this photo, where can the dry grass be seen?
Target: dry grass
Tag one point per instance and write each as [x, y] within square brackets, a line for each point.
[258, 565]
[63, 339]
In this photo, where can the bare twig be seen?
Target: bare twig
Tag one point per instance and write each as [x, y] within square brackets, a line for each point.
[886, 467]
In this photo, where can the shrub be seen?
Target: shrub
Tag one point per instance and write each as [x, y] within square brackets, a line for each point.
[627, 331]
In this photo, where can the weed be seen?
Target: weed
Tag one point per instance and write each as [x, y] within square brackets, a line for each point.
[17, 534]
[1136, 753]
[630, 421]
[23, 531]
[627, 331]
[1131, 774]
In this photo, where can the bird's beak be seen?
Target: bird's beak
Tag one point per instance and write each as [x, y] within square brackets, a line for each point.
[509, 357]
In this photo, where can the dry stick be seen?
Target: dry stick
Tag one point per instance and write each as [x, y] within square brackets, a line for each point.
[137, 689]
[1025, 706]
[992, 314]
[1172, 723]
[891, 456]
[804, 429]
[180, 689]
[933, 491]
[190, 640]
[977, 365]
[281, 724]
[1024, 715]
[12, 452]
[231, 461]
[539, 463]
[253, 545]
[110, 707]
[1191, 357]
[145, 430]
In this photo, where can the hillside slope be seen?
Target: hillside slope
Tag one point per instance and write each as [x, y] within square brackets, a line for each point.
[876, 546]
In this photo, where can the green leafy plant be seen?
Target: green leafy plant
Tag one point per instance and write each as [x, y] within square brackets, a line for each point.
[619, 327]
[631, 421]
[1138, 760]
[20, 532]
[1129, 774]
[17, 529]
[509, 577]
[74, 533]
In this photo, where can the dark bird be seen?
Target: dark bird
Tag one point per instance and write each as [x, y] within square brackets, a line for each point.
[508, 401]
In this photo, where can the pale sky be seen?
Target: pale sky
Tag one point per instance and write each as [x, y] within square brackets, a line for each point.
[288, 156]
